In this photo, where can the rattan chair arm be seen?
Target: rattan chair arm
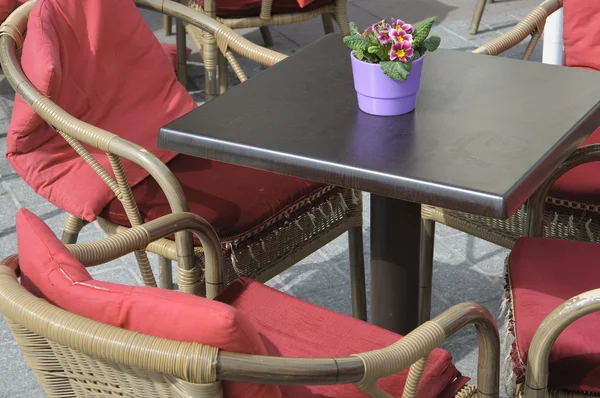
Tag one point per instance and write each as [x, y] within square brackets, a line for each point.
[536, 381]
[421, 341]
[366, 368]
[226, 38]
[15, 24]
[187, 361]
[534, 225]
[534, 21]
[137, 238]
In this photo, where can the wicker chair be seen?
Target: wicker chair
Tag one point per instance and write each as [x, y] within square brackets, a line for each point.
[267, 16]
[261, 253]
[79, 357]
[567, 214]
[550, 285]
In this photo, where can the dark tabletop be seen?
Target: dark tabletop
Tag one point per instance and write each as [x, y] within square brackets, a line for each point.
[485, 133]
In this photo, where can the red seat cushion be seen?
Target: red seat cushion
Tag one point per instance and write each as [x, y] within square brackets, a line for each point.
[233, 199]
[291, 327]
[581, 29]
[543, 273]
[251, 8]
[580, 184]
[99, 61]
[50, 271]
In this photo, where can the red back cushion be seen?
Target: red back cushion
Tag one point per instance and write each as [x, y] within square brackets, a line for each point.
[99, 61]
[581, 30]
[304, 3]
[6, 7]
[50, 271]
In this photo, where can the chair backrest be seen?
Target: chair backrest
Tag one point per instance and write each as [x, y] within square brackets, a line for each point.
[100, 62]
[581, 33]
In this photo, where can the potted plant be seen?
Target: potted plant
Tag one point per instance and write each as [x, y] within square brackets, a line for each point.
[387, 60]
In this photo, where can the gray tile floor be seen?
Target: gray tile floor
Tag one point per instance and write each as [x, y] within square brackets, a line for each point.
[466, 269]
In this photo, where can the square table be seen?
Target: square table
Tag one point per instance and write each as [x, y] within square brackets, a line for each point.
[485, 134]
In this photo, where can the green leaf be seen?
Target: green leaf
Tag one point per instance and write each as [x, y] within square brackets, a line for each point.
[373, 49]
[359, 54]
[421, 32]
[395, 70]
[357, 43]
[372, 58]
[417, 55]
[406, 65]
[354, 29]
[432, 43]
[424, 23]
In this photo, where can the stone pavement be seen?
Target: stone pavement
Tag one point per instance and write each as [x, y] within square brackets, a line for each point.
[466, 268]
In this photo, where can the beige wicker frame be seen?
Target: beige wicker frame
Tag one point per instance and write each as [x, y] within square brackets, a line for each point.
[74, 356]
[208, 44]
[282, 243]
[563, 219]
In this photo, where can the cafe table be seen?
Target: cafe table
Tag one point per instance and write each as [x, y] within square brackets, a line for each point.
[484, 135]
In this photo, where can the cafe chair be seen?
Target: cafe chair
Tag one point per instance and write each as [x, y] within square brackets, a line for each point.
[84, 337]
[553, 301]
[83, 135]
[572, 209]
[261, 14]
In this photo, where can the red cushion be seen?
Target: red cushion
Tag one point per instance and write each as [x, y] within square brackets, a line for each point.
[8, 6]
[304, 3]
[580, 184]
[98, 60]
[171, 51]
[233, 199]
[291, 327]
[50, 271]
[581, 29]
[543, 273]
[251, 8]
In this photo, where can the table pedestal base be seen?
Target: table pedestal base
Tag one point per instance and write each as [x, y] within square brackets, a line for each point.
[395, 233]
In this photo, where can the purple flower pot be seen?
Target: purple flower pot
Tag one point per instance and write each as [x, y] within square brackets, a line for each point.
[381, 95]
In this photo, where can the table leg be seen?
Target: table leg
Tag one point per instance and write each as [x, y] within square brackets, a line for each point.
[395, 234]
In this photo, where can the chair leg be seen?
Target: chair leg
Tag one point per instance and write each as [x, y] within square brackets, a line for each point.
[266, 35]
[210, 55]
[341, 16]
[223, 73]
[168, 25]
[71, 229]
[426, 269]
[327, 23]
[181, 53]
[357, 273]
[477, 16]
[165, 273]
